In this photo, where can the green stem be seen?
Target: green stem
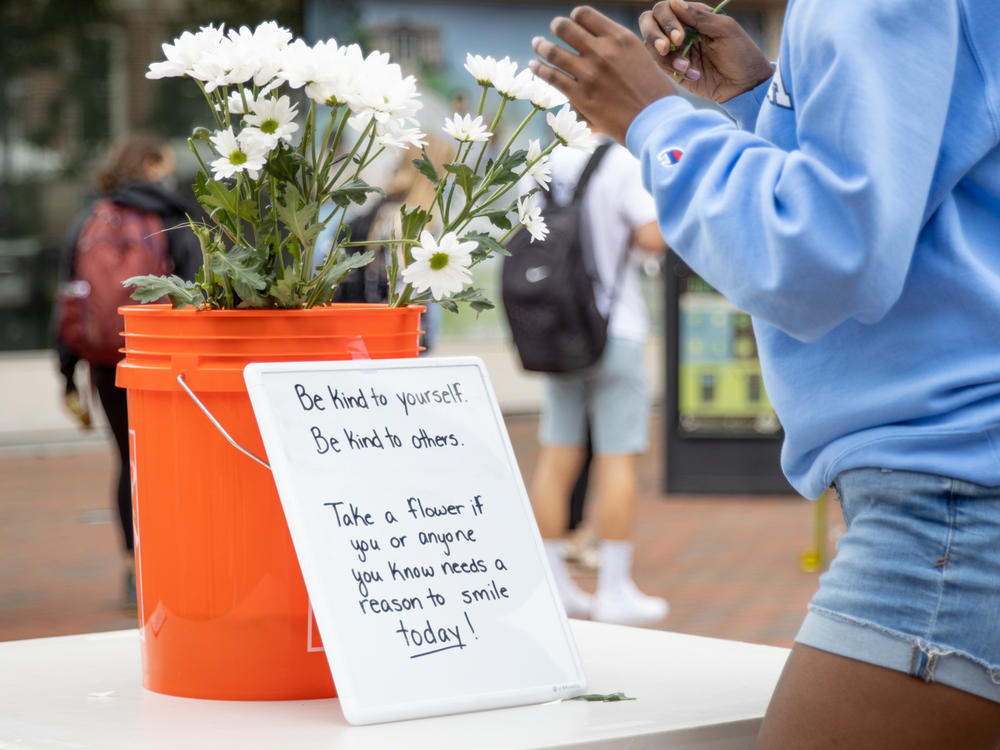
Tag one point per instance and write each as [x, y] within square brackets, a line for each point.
[687, 47]
[211, 104]
[369, 128]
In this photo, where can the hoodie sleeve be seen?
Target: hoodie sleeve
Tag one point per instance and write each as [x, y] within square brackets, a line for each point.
[820, 229]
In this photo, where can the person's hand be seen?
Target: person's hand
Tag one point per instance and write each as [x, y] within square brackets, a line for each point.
[610, 79]
[724, 63]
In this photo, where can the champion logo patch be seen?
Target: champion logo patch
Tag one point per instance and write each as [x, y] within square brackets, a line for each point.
[669, 156]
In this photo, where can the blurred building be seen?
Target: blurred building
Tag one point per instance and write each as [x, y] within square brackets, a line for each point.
[72, 78]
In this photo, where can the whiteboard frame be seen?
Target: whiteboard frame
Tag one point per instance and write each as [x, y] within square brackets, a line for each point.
[324, 610]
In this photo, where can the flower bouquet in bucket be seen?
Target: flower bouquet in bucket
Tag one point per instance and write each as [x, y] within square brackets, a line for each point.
[294, 129]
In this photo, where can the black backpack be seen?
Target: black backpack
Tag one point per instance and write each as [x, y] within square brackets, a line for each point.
[548, 290]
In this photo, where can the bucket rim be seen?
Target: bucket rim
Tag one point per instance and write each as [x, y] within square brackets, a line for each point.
[249, 312]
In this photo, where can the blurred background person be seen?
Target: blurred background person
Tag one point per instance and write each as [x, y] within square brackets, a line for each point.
[611, 396]
[134, 228]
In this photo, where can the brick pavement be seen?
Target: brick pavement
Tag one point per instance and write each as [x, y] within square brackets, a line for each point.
[729, 565]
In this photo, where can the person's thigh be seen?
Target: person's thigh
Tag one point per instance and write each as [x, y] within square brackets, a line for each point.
[823, 700]
[619, 401]
[563, 418]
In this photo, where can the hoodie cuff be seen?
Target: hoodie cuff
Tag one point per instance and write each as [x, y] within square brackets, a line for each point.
[652, 117]
[745, 107]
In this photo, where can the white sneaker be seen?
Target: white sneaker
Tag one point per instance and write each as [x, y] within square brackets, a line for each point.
[577, 602]
[628, 606]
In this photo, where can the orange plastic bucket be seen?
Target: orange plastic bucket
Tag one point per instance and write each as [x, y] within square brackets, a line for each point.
[223, 610]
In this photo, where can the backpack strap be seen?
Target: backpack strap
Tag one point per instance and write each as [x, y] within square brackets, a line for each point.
[581, 186]
[589, 169]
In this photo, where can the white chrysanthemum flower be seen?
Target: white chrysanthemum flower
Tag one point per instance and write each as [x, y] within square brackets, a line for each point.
[396, 134]
[246, 152]
[264, 45]
[570, 131]
[273, 117]
[330, 74]
[233, 61]
[300, 63]
[482, 225]
[441, 266]
[185, 52]
[465, 129]
[541, 170]
[506, 77]
[235, 101]
[544, 95]
[383, 92]
[517, 87]
[529, 213]
[481, 68]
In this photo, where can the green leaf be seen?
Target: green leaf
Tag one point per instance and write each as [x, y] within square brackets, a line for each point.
[426, 167]
[607, 698]
[285, 162]
[300, 217]
[354, 191]
[474, 297]
[413, 222]
[321, 288]
[487, 246]
[215, 196]
[464, 176]
[152, 288]
[499, 219]
[507, 169]
[241, 266]
[284, 291]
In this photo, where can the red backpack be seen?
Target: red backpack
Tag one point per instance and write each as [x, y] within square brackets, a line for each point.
[115, 243]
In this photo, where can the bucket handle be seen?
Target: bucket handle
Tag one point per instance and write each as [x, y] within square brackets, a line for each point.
[219, 427]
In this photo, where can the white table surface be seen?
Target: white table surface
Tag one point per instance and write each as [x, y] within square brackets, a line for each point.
[85, 691]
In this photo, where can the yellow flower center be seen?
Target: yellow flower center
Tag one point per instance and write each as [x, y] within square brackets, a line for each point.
[237, 157]
[438, 261]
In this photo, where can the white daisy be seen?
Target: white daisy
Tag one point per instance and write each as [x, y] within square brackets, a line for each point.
[235, 101]
[264, 45]
[441, 266]
[273, 117]
[382, 92]
[481, 68]
[529, 213]
[186, 50]
[246, 152]
[544, 95]
[396, 134]
[506, 79]
[570, 131]
[519, 86]
[541, 169]
[464, 128]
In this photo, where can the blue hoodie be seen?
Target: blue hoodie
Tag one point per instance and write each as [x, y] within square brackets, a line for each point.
[854, 212]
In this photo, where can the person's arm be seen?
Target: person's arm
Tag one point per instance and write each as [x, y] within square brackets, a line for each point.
[647, 238]
[805, 238]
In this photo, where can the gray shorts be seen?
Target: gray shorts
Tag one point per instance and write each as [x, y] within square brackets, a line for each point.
[611, 394]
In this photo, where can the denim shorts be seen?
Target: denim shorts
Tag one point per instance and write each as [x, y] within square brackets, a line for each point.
[611, 396]
[915, 584]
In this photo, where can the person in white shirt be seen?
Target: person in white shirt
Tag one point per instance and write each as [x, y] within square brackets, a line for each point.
[611, 395]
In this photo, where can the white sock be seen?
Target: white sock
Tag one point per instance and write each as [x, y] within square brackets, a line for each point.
[618, 600]
[616, 565]
[574, 599]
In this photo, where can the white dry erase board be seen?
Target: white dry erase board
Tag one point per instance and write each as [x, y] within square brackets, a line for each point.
[417, 542]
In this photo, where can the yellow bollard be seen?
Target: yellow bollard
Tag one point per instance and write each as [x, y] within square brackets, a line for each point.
[814, 559]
